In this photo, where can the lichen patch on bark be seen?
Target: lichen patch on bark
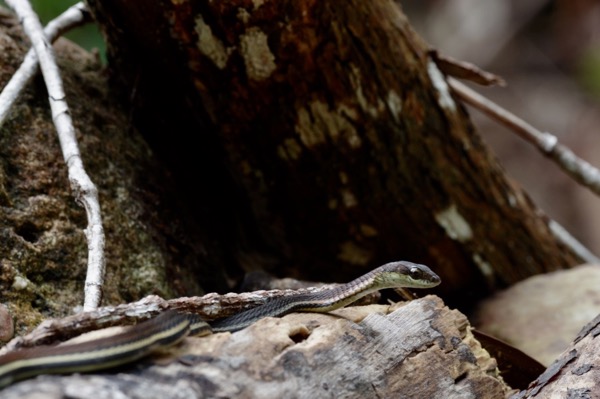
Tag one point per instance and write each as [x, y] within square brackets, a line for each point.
[319, 121]
[258, 58]
[455, 225]
[257, 3]
[290, 149]
[349, 199]
[394, 103]
[356, 78]
[485, 268]
[210, 45]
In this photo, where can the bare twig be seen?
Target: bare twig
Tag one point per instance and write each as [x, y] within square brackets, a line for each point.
[465, 70]
[580, 170]
[84, 189]
[76, 15]
[580, 250]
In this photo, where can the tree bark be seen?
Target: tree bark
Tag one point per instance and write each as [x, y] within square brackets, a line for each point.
[324, 139]
[419, 349]
[575, 374]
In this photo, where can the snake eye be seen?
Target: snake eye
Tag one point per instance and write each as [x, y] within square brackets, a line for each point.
[415, 273]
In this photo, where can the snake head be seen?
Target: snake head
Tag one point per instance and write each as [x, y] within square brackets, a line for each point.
[424, 274]
[411, 275]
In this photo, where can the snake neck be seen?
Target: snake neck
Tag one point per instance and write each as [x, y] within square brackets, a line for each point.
[321, 302]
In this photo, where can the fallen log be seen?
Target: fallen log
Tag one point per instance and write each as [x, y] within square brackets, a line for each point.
[417, 349]
[575, 374]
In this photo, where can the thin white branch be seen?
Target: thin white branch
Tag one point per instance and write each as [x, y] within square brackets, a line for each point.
[76, 15]
[84, 189]
[562, 234]
[580, 170]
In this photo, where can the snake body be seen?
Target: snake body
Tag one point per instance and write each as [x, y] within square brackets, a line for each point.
[391, 275]
[170, 327]
[138, 341]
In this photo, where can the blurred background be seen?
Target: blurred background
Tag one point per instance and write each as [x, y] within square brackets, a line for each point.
[549, 54]
[548, 51]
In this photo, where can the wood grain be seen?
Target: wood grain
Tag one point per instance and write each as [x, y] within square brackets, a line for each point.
[419, 349]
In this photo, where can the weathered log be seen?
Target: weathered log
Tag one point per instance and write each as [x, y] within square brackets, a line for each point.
[421, 349]
[575, 374]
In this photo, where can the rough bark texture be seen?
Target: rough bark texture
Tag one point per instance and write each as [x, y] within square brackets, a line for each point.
[42, 244]
[420, 350]
[575, 374]
[325, 140]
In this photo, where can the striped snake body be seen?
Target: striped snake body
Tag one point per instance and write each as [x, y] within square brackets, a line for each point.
[171, 326]
[390, 275]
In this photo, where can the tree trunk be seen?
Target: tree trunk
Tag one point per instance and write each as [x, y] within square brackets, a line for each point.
[324, 141]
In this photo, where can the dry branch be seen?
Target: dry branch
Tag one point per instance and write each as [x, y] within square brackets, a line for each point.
[85, 191]
[580, 170]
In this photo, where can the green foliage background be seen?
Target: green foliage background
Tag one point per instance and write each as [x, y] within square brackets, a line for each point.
[87, 36]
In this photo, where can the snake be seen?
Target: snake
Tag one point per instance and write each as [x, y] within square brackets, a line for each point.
[171, 326]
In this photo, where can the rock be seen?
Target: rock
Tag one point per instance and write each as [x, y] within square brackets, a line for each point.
[542, 315]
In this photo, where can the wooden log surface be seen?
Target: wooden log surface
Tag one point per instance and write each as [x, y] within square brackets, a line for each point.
[417, 349]
[575, 374]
